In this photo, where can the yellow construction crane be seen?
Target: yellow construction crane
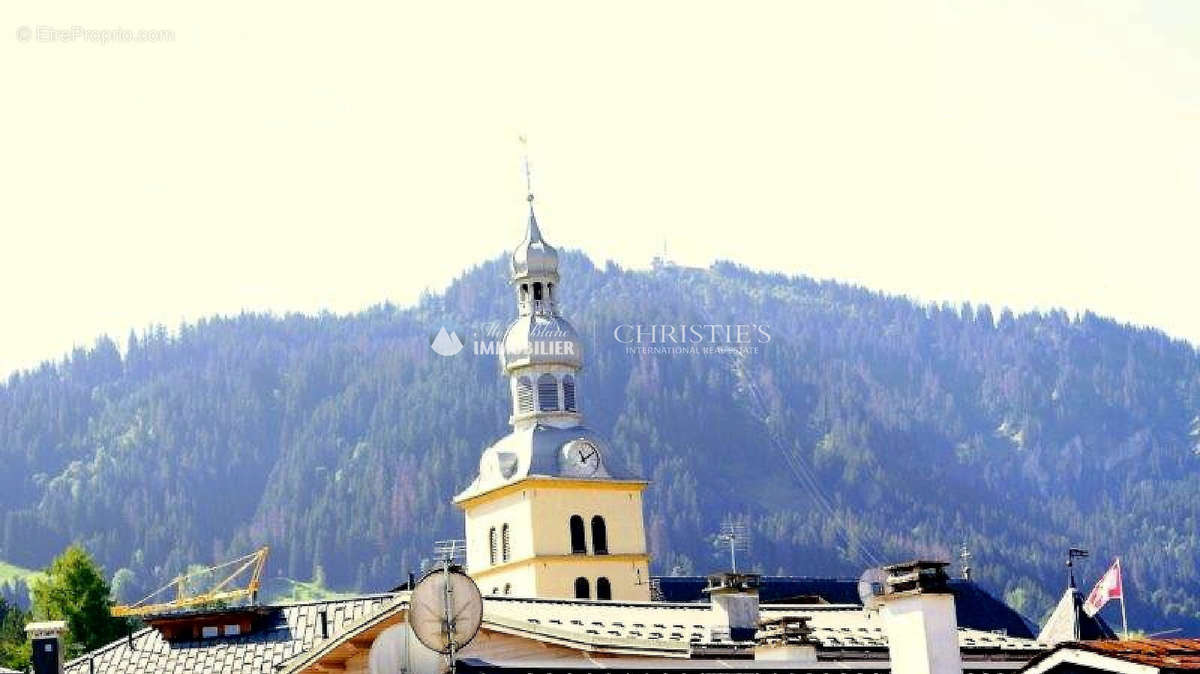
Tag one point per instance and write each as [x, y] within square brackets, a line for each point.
[253, 562]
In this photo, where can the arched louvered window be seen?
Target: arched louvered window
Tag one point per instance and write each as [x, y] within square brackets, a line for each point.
[550, 292]
[578, 544]
[583, 589]
[603, 588]
[505, 546]
[508, 588]
[569, 393]
[599, 536]
[547, 393]
[524, 395]
[537, 292]
[492, 545]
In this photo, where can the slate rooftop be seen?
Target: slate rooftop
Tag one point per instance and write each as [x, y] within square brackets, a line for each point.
[291, 631]
[291, 637]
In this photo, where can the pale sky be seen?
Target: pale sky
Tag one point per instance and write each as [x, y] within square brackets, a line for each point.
[280, 156]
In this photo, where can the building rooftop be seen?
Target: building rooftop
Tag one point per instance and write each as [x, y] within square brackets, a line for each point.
[974, 607]
[1169, 655]
[672, 628]
[290, 637]
[290, 631]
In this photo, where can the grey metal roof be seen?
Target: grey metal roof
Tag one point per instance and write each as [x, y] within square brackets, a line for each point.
[673, 627]
[974, 607]
[535, 451]
[720, 666]
[541, 338]
[292, 640]
[533, 256]
[293, 630]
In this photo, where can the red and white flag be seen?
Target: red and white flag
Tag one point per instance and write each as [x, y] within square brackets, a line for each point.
[1108, 587]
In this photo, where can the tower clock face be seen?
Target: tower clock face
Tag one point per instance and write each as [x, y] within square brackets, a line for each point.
[580, 458]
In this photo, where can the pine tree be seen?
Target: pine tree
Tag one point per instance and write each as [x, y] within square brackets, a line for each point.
[74, 590]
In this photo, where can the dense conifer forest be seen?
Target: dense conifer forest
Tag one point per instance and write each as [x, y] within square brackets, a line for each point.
[868, 429]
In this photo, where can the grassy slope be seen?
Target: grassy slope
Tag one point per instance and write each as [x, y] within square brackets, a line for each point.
[10, 572]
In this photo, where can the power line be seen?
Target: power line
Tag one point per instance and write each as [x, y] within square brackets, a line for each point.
[800, 470]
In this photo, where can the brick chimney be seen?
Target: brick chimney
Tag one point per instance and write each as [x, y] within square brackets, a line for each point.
[734, 598]
[918, 617]
[46, 638]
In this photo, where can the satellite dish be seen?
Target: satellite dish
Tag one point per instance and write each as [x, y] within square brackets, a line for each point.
[389, 651]
[871, 586]
[445, 610]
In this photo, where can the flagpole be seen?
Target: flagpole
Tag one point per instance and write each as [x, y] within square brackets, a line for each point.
[1124, 622]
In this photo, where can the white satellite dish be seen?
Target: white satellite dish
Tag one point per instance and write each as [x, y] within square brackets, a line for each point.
[445, 610]
[390, 651]
[871, 585]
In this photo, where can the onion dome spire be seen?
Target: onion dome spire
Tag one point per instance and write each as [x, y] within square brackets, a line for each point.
[533, 256]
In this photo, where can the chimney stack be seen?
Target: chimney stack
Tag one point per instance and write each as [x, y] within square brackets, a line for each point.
[918, 617]
[46, 638]
[734, 598]
[786, 639]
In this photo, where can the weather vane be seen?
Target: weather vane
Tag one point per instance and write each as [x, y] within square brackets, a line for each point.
[524, 140]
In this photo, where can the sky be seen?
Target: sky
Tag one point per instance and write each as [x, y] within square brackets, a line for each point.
[280, 156]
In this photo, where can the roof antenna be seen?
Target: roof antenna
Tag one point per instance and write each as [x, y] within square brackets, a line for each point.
[964, 554]
[736, 535]
[1072, 555]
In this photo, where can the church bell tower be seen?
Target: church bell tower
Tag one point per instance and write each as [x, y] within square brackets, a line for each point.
[549, 515]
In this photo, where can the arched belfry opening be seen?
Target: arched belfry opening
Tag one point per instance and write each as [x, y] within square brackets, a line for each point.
[599, 536]
[578, 536]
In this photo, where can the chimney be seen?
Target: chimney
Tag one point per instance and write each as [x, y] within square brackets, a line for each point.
[734, 598]
[46, 638]
[786, 639]
[918, 617]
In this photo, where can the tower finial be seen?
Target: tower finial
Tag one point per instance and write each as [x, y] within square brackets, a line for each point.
[528, 178]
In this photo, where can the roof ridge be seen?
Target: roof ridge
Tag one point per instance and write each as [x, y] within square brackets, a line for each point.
[314, 602]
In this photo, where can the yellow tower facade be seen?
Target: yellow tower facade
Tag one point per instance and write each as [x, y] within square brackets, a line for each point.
[549, 514]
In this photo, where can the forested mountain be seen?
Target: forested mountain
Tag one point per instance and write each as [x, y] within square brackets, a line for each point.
[868, 429]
